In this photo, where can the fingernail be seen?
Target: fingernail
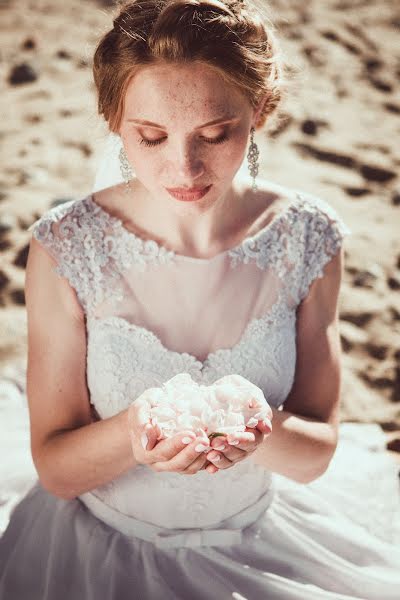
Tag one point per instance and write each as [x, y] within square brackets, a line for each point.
[144, 439]
[201, 448]
[220, 447]
[234, 443]
[187, 440]
[216, 458]
[268, 423]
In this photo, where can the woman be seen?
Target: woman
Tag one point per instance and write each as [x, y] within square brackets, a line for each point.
[186, 267]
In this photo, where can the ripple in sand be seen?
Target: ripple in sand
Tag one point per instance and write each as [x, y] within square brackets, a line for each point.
[367, 278]
[5, 245]
[21, 258]
[334, 37]
[379, 376]
[396, 201]
[311, 126]
[4, 280]
[394, 444]
[335, 158]
[22, 74]
[381, 85]
[378, 351]
[352, 336]
[378, 174]
[18, 297]
[394, 282]
[32, 119]
[392, 108]
[369, 172]
[28, 44]
[63, 54]
[356, 192]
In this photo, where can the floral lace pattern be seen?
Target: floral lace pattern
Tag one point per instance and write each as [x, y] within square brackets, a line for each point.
[123, 360]
[93, 250]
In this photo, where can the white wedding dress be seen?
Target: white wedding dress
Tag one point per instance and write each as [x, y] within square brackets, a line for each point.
[243, 533]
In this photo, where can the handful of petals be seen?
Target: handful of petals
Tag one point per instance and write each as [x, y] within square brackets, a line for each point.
[229, 405]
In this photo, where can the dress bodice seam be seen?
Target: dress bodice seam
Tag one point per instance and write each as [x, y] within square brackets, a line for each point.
[277, 314]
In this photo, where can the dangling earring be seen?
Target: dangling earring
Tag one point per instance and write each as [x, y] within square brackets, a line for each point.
[126, 170]
[253, 156]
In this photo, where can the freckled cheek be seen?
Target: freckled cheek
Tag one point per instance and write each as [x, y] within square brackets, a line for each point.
[225, 159]
[141, 160]
[236, 153]
[230, 156]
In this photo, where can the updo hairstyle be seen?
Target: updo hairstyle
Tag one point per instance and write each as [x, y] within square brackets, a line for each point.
[231, 36]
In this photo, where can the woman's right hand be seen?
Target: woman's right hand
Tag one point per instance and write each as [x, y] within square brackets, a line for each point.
[184, 453]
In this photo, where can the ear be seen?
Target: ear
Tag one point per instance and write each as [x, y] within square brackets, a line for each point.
[258, 110]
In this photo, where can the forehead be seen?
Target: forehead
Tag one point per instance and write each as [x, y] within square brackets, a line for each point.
[170, 91]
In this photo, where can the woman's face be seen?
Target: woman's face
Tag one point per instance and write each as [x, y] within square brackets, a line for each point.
[179, 149]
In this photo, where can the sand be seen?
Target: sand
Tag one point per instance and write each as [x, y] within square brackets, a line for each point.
[337, 137]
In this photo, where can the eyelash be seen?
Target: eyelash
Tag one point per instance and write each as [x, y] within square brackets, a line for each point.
[219, 140]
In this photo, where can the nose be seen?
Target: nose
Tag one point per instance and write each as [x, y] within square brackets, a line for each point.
[188, 164]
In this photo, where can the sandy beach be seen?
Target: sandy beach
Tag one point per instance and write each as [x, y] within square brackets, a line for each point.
[337, 137]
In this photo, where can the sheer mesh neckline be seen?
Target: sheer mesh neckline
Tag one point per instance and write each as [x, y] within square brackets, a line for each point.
[248, 240]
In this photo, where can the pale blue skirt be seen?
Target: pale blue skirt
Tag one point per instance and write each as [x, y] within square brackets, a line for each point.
[290, 544]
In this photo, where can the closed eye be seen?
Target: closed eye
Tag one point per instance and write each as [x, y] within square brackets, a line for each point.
[218, 140]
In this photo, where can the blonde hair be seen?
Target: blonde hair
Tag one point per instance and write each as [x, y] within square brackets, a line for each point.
[231, 36]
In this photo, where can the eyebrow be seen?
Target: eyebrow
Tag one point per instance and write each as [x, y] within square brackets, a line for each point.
[219, 121]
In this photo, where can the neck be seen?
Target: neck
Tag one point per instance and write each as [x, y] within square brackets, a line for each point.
[198, 229]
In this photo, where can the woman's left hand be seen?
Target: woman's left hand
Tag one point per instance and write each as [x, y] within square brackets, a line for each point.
[225, 453]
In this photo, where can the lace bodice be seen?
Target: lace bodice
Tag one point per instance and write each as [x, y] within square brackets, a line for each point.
[152, 313]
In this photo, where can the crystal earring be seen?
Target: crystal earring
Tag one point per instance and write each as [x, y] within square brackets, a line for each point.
[126, 170]
[253, 156]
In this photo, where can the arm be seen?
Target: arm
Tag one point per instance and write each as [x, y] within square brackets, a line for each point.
[71, 453]
[304, 435]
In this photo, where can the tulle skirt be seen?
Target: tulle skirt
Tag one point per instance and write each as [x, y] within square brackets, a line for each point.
[317, 541]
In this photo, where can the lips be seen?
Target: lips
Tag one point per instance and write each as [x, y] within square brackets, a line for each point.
[188, 193]
[187, 190]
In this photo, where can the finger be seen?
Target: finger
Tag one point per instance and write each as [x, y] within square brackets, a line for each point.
[239, 445]
[197, 465]
[248, 441]
[142, 411]
[249, 436]
[139, 410]
[219, 443]
[231, 453]
[242, 439]
[209, 467]
[212, 469]
[183, 455]
[265, 426]
[138, 416]
[258, 435]
[219, 460]
[149, 437]
[148, 449]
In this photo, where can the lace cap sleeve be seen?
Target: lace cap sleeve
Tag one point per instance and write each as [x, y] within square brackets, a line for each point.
[324, 232]
[66, 235]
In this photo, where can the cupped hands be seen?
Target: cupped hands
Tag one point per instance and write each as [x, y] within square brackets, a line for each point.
[189, 452]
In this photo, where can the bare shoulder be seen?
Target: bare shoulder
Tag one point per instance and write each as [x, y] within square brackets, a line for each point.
[269, 201]
[110, 198]
[45, 287]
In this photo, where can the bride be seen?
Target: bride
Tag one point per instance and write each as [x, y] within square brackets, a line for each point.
[179, 263]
